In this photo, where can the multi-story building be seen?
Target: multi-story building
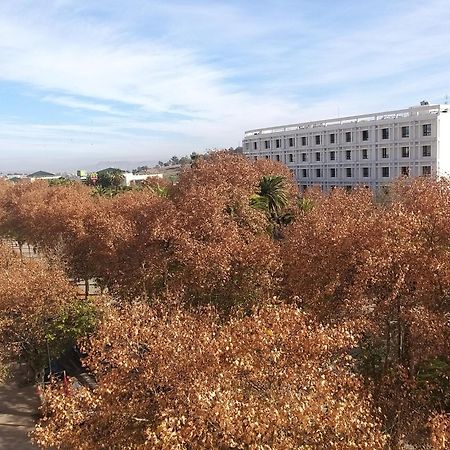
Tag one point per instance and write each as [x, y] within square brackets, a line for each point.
[367, 150]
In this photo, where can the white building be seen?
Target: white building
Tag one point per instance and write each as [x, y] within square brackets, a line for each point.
[132, 179]
[367, 150]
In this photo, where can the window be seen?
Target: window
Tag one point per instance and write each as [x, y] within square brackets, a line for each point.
[365, 172]
[278, 143]
[364, 153]
[404, 171]
[266, 144]
[291, 157]
[333, 173]
[277, 157]
[405, 152]
[332, 138]
[317, 139]
[317, 156]
[247, 146]
[303, 157]
[318, 173]
[426, 150]
[304, 173]
[365, 135]
[405, 132]
[385, 172]
[384, 153]
[267, 156]
[385, 133]
[332, 156]
[291, 142]
[426, 170]
[348, 172]
[304, 140]
[348, 154]
[426, 129]
[348, 136]
[255, 145]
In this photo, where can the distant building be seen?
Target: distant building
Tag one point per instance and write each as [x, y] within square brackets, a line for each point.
[15, 177]
[132, 179]
[41, 175]
[82, 174]
[367, 150]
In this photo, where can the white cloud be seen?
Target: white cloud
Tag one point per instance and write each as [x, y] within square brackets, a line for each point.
[76, 103]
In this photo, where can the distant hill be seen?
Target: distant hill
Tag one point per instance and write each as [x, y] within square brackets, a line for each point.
[124, 165]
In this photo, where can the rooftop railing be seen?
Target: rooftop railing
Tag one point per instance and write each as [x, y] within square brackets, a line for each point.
[388, 115]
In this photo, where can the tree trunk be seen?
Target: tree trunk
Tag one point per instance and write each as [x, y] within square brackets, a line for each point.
[388, 347]
[144, 289]
[86, 288]
[144, 282]
[399, 332]
[166, 280]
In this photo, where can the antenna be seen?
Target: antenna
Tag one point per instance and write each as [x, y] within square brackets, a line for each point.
[446, 100]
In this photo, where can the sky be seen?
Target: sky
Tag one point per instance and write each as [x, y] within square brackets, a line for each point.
[83, 81]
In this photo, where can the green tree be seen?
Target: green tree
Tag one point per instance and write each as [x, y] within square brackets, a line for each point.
[111, 178]
[61, 182]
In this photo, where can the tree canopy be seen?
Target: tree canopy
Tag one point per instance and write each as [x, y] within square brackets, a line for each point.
[241, 312]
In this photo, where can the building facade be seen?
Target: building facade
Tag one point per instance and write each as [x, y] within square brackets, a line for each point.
[367, 150]
[132, 179]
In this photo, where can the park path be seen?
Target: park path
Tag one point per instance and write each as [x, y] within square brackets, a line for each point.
[18, 412]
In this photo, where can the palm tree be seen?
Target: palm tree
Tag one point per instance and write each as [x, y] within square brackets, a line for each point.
[273, 200]
[272, 195]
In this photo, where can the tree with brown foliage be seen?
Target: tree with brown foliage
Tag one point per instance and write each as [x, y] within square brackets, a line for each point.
[173, 379]
[386, 266]
[227, 255]
[40, 315]
[378, 270]
[18, 202]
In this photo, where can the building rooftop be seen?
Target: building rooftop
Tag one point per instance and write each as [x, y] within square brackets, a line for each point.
[386, 115]
[41, 174]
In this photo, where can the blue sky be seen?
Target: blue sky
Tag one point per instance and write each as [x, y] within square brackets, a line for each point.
[87, 81]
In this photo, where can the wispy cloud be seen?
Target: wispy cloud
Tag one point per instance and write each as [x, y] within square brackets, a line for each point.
[75, 103]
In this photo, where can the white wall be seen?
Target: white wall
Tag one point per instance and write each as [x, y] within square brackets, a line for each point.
[131, 178]
[444, 144]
